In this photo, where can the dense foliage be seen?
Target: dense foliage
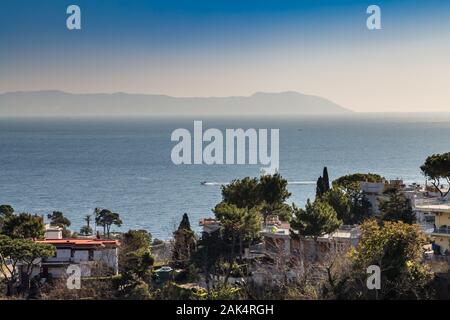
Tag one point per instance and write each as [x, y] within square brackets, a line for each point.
[436, 168]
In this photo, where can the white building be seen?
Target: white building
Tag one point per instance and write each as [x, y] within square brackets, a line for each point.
[94, 256]
[209, 225]
[373, 191]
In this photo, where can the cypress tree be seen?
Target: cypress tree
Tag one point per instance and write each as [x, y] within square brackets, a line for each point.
[319, 188]
[184, 243]
[326, 180]
[185, 224]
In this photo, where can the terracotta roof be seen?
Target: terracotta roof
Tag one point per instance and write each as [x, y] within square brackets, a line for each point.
[80, 242]
[208, 221]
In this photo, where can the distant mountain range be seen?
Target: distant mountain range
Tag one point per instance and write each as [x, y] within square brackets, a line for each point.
[63, 104]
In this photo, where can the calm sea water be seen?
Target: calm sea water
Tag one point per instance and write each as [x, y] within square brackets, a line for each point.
[75, 165]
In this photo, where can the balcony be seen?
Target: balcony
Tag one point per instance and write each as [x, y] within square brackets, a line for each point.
[442, 230]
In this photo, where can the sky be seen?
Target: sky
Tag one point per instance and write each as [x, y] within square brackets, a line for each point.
[233, 48]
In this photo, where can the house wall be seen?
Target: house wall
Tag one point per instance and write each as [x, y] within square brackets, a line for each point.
[108, 256]
[80, 255]
[53, 234]
[61, 255]
[443, 242]
[372, 191]
[310, 249]
[442, 219]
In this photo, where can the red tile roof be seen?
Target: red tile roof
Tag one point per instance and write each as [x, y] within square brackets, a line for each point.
[80, 242]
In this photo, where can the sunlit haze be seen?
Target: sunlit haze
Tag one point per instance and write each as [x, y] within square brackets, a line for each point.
[233, 48]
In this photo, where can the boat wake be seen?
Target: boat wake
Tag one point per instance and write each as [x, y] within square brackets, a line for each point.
[301, 183]
[214, 183]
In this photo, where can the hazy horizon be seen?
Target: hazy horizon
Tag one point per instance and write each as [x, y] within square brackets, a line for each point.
[225, 48]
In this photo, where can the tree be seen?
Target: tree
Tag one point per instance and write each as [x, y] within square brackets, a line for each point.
[24, 225]
[341, 203]
[437, 167]
[239, 225]
[268, 194]
[397, 248]
[137, 291]
[323, 183]
[135, 259]
[106, 218]
[350, 185]
[6, 210]
[133, 240]
[317, 219]
[184, 242]
[326, 180]
[273, 189]
[138, 265]
[86, 230]
[20, 251]
[57, 219]
[282, 210]
[348, 181]
[319, 188]
[87, 219]
[210, 249]
[242, 193]
[397, 207]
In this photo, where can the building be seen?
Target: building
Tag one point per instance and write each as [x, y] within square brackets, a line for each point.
[373, 191]
[441, 230]
[337, 242]
[209, 225]
[279, 239]
[93, 256]
[276, 236]
[53, 232]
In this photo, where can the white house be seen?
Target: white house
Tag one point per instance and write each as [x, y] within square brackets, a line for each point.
[94, 256]
[373, 191]
[209, 225]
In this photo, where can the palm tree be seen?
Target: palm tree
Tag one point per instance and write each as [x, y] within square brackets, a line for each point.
[87, 230]
[87, 218]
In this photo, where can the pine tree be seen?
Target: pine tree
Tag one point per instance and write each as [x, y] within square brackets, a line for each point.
[317, 219]
[397, 207]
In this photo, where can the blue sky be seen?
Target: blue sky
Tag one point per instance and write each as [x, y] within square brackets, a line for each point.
[233, 47]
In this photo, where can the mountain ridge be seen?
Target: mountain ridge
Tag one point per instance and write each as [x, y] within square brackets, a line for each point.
[50, 103]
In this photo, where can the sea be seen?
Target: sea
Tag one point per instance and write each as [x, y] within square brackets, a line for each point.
[75, 165]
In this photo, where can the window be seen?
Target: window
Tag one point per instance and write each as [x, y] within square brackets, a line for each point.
[91, 255]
